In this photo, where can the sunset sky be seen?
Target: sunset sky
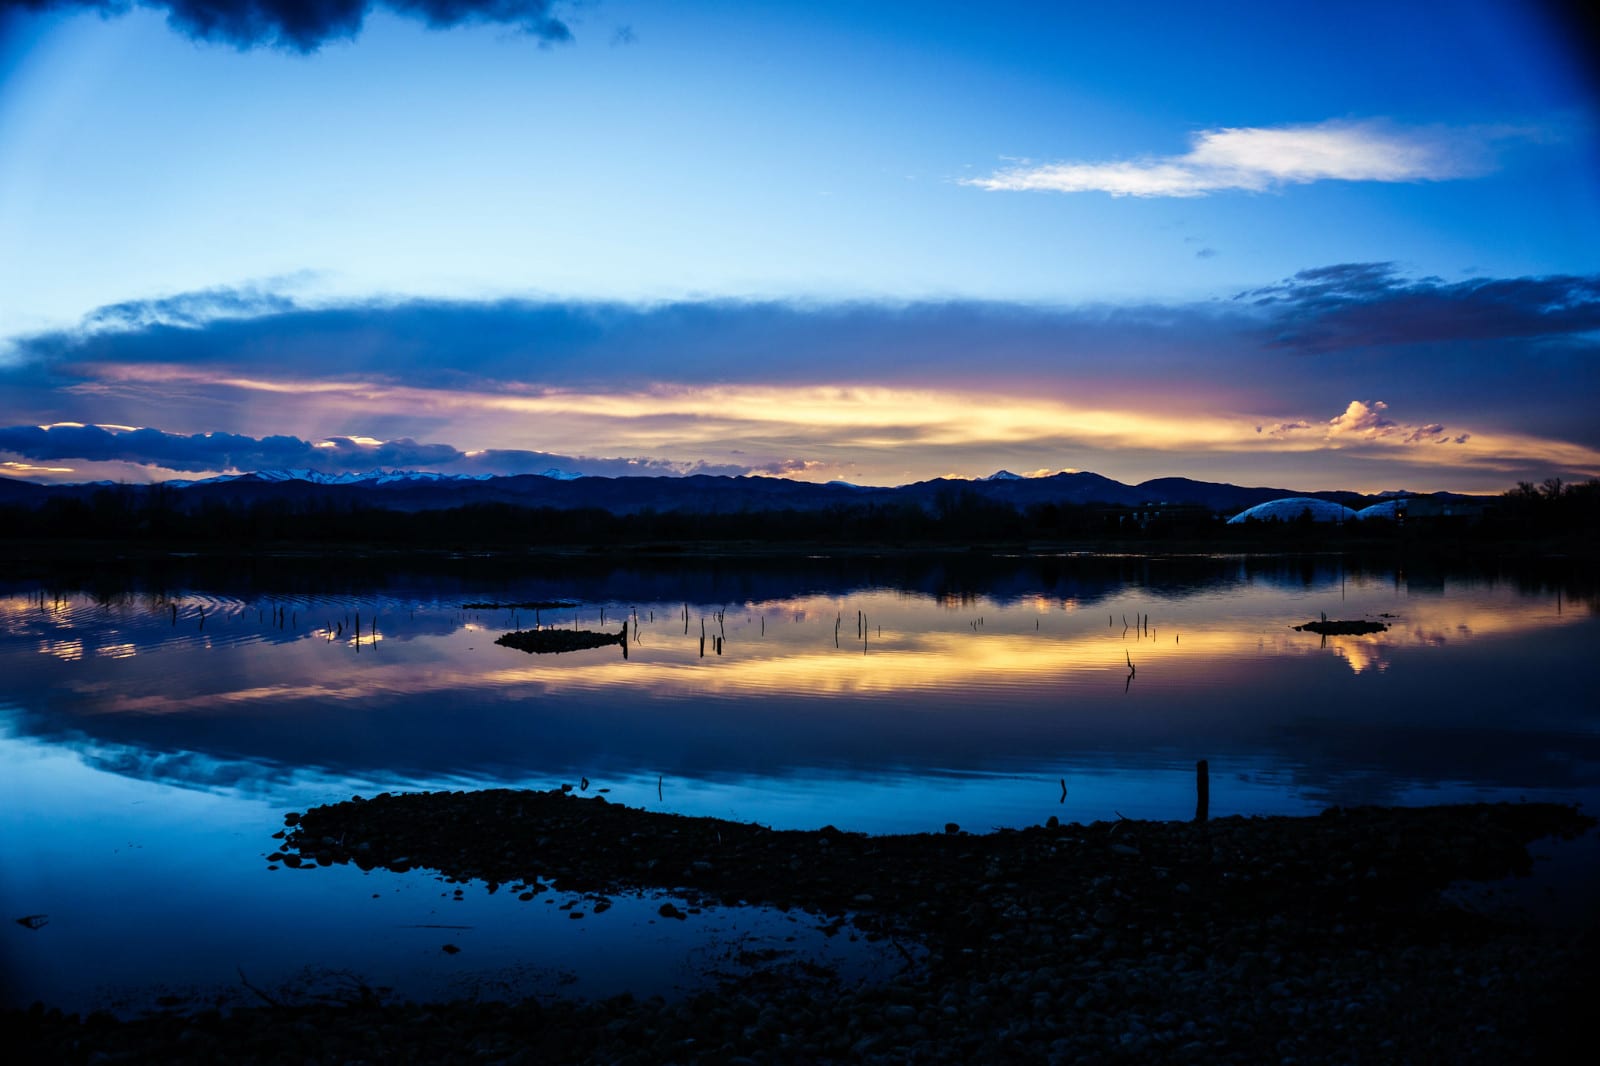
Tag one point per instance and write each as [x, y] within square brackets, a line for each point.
[1323, 246]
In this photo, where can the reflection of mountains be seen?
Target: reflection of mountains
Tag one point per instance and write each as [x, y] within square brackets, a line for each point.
[950, 576]
[923, 702]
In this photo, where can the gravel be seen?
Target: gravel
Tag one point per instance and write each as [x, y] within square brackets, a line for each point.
[1326, 939]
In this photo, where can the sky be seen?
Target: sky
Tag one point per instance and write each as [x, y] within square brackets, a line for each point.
[1351, 246]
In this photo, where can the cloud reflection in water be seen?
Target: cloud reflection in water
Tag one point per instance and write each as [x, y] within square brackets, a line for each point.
[1033, 684]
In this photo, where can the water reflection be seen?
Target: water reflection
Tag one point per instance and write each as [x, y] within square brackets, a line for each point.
[1120, 663]
[157, 722]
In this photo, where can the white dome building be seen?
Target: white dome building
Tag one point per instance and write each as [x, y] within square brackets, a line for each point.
[1291, 508]
[1389, 509]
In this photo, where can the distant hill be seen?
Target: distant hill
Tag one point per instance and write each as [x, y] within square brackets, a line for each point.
[702, 494]
[1224, 498]
[14, 491]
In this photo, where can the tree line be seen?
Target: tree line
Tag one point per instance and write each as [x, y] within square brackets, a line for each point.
[153, 515]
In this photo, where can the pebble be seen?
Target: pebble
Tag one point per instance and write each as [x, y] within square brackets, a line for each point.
[1030, 945]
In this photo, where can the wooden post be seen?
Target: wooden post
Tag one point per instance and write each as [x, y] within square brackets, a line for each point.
[1202, 784]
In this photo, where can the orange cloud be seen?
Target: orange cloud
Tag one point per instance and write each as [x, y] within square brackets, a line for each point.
[867, 430]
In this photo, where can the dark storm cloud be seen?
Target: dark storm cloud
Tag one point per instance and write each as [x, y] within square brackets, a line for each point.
[1345, 307]
[1499, 340]
[1515, 354]
[444, 343]
[1364, 305]
[305, 25]
[230, 451]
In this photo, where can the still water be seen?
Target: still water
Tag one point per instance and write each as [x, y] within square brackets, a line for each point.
[156, 722]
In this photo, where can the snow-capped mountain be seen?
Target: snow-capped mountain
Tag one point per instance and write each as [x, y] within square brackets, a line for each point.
[1003, 475]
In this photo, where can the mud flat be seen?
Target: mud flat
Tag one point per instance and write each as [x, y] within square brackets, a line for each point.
[1318, 939]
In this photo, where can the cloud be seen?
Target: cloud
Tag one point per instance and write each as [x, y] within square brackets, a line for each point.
[230, 452]
[1255, 159]
[1363, 305]
[189, 310]
[1361, 419]
[874, 393]
[1361, 422]
[305, 25]
[791, 468]
[202, 451]
[1521, 349]
[1367, 422]
[12, 467]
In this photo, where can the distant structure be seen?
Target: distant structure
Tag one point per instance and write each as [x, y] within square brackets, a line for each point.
[1291, 508]
[1394, 510]
[1429, 508]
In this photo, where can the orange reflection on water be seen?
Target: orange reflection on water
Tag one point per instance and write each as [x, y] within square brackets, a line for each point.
[802, 647]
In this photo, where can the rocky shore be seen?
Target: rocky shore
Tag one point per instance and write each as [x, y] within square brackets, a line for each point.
[1321, 939]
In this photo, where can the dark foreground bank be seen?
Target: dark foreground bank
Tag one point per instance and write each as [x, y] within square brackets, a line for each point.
[1327, 939]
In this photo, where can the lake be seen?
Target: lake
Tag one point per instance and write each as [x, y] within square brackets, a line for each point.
[159, 718]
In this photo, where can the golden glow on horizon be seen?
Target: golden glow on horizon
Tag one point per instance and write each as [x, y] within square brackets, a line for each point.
[29, 468]
[854, 426]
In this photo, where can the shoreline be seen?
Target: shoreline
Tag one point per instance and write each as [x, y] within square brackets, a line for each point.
[1445, 547]
[1322, 938]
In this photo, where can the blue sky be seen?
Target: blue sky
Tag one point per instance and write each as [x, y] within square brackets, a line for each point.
[753, 210]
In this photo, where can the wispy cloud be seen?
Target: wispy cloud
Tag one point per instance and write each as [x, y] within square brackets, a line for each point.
[305, 25]
[1255, 159]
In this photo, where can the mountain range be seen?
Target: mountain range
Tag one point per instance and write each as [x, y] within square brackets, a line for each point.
[407, 490]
